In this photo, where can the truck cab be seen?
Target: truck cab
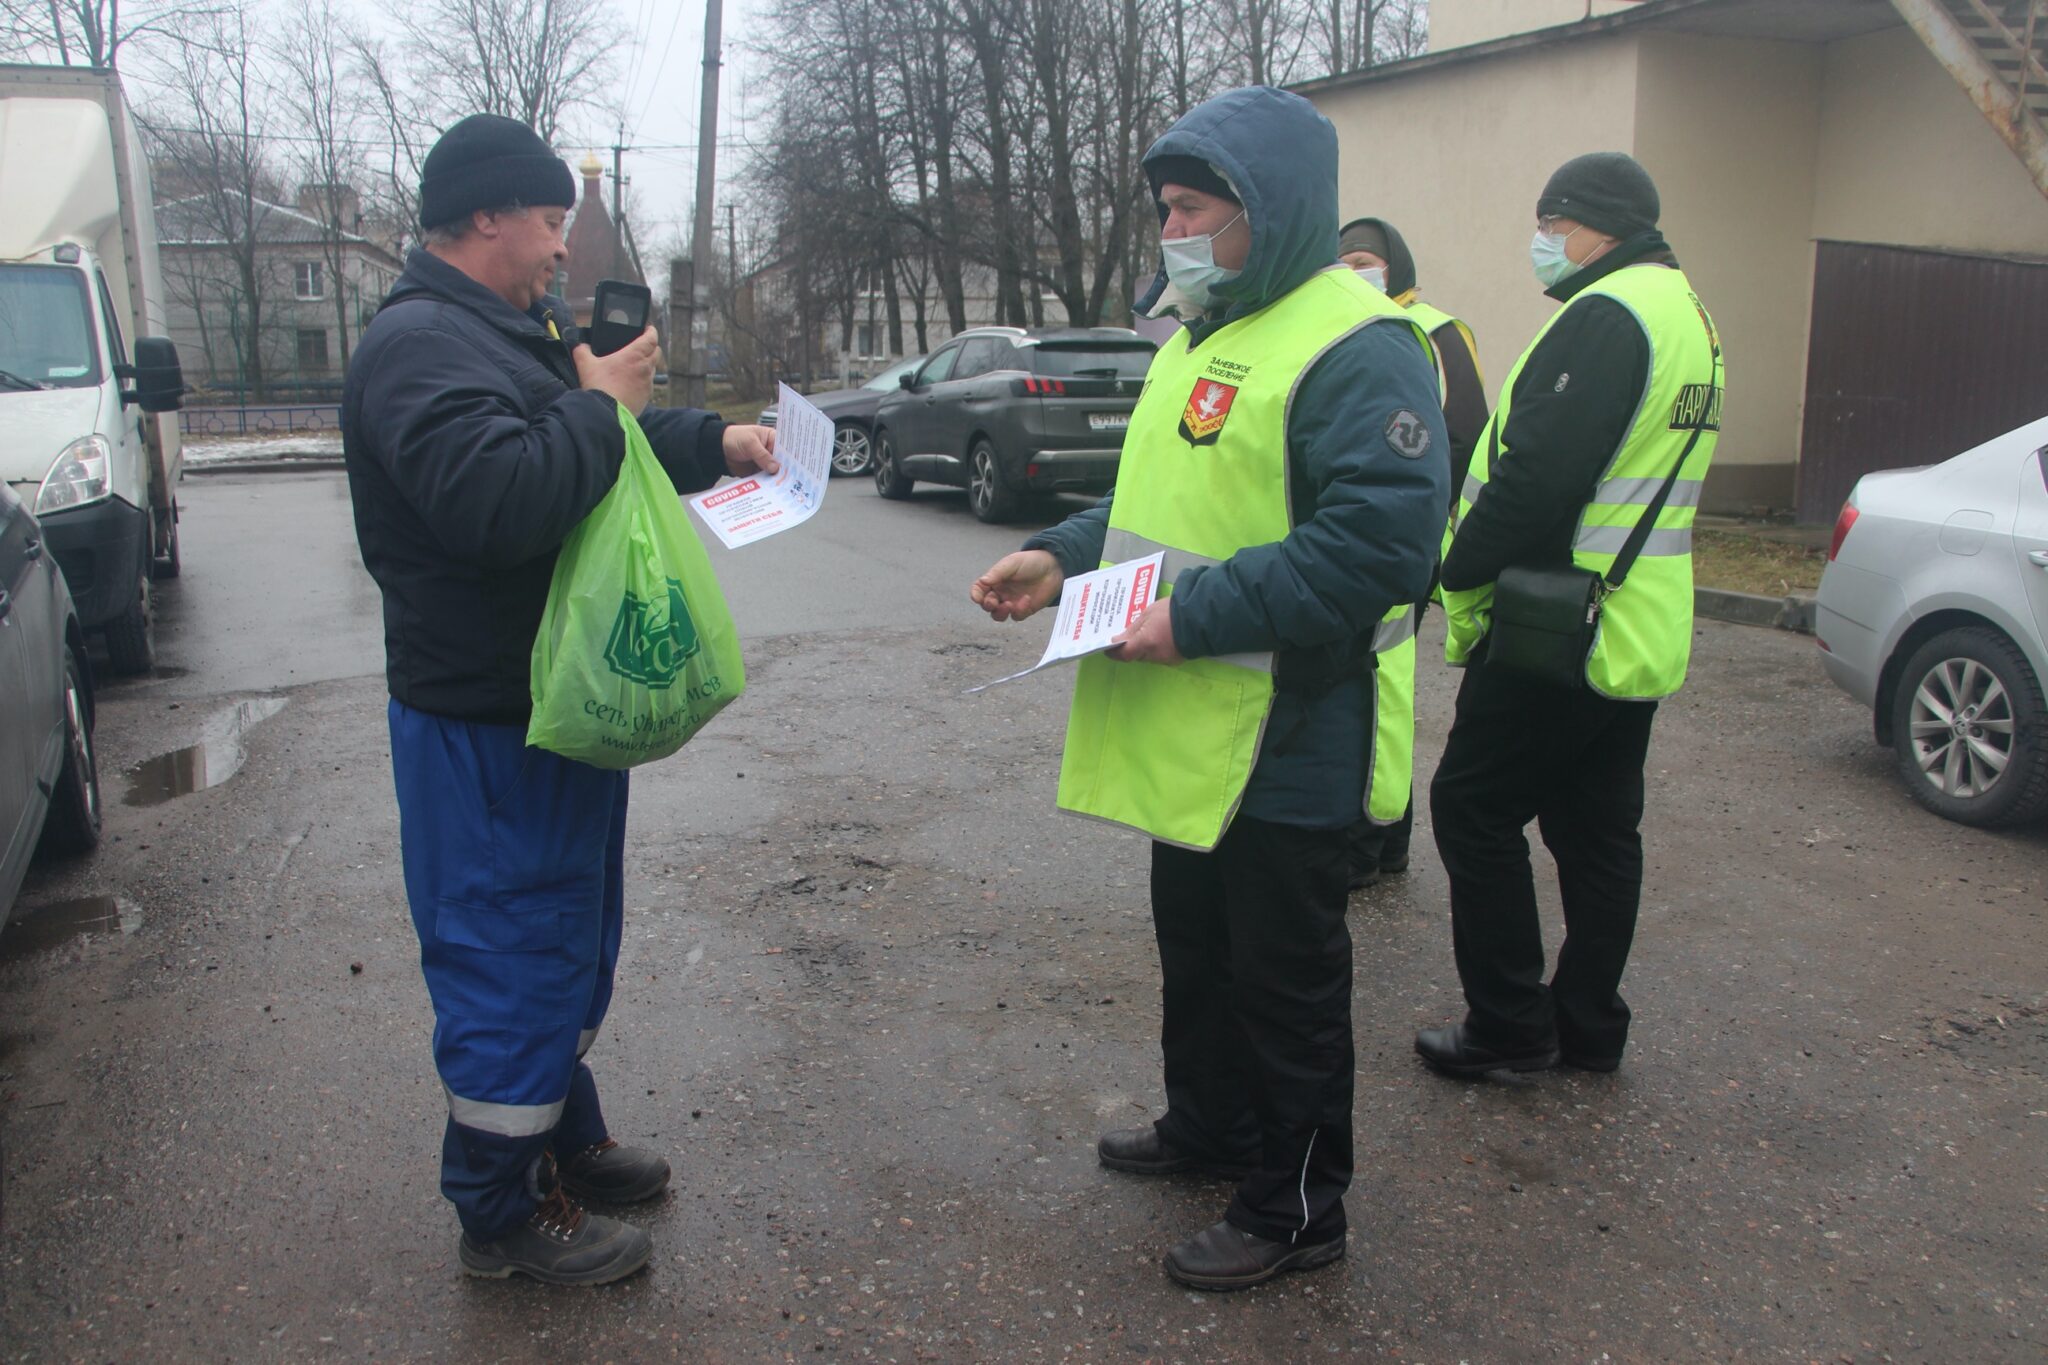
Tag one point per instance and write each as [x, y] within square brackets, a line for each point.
[88, 428]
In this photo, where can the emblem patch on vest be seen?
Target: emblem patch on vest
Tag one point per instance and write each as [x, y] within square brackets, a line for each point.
[1207, 410]
[1408, 434]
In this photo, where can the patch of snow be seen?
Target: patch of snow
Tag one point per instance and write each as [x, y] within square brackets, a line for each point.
[304, 445]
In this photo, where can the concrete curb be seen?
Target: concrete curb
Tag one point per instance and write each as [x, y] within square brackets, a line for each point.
[314, 463]
[1791, 613]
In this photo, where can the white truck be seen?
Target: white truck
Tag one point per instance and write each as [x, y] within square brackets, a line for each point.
[89, 434]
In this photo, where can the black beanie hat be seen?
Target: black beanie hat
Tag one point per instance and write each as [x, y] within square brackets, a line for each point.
[1607, 191]
[487, 162]
[1192, 172]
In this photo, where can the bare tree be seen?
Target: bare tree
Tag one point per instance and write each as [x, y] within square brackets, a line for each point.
[214, 158]
[405, 125]
[93, 32]
[311, 56]
[532, 60]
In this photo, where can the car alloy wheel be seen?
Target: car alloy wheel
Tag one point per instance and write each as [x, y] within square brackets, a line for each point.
[987, 497]
[1969, 725]
[852, 451]
[1962, 728]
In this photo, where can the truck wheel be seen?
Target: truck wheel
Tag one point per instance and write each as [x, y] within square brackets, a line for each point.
[168, 562]
[74, 824]
[131, 637]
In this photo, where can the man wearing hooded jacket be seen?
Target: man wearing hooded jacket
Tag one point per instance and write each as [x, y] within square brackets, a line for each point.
[1379, 841]
[1279, 456]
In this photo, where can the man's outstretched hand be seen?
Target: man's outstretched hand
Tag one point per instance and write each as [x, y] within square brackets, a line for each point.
[1018, 584]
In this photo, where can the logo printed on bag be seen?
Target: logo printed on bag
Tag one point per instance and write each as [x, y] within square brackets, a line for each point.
[1207, 410]
[652, 641]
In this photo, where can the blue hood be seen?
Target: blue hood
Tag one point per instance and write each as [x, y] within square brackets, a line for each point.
[1280, 156]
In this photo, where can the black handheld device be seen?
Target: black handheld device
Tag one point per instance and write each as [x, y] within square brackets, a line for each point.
[618, 316]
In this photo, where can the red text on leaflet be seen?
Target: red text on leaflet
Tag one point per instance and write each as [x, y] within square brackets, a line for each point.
[1141, 593]
[738, 490]
[1081, 612]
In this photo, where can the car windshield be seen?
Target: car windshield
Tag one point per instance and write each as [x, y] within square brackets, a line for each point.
[46, 327]
[1092, 362]
[893, 376]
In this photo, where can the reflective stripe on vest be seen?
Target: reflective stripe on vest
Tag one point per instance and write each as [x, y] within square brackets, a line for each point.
[1204, 474]
[1645, 637]
[1390, 785]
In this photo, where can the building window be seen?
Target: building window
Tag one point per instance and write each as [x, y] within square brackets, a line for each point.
[312, 348]
[307, 281]
[865, 341]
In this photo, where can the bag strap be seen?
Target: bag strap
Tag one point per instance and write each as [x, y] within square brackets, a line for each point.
[1637, 538]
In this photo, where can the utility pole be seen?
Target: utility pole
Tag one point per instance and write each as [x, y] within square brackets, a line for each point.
[619, 208]
[707, 181]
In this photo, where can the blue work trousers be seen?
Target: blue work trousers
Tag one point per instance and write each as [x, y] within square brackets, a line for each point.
[513, 866]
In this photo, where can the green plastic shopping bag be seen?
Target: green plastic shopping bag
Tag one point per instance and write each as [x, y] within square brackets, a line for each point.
[636, 648]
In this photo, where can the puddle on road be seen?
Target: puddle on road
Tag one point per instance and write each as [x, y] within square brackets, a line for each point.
[217, 756]
[32, 930]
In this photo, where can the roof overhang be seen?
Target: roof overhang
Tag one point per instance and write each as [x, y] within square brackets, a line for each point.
[1788, 21]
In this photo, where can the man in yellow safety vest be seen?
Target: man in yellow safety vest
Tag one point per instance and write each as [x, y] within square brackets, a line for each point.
[1379, 841]
[1280, 456]
[1594, 460]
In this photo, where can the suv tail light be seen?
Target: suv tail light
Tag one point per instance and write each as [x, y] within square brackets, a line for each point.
[1046, 388]
[1842, 525]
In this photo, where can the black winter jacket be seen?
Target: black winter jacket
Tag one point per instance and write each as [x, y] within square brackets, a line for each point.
[471, 455]
[1568, 415]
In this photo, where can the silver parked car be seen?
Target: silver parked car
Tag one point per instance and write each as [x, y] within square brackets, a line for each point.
[1932, 612]
[49, 786]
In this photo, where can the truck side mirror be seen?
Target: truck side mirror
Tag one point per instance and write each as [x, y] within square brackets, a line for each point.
[158, 377]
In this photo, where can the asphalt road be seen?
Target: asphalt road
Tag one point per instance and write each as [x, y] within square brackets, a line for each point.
[877, 999]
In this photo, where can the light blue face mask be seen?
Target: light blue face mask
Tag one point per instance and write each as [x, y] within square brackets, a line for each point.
[1191, 265]
[1547, 254]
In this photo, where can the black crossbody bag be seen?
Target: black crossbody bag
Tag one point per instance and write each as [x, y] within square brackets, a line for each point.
[1546, 621]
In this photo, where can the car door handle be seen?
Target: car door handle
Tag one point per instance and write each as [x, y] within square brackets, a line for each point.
[6, 603]
[32, 550]
[2040, 558]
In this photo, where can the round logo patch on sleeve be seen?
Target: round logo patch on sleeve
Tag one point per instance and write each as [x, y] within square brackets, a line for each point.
[1408, 434]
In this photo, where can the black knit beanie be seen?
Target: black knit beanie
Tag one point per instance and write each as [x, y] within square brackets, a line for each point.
[487, 162]
[1191, 171]
[1609, 192]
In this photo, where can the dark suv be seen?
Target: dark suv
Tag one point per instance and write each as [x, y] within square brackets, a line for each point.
[1006, 414]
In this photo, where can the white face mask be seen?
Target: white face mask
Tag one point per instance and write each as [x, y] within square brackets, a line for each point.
[1374, 275]
[1191, 265]
[1547, 254]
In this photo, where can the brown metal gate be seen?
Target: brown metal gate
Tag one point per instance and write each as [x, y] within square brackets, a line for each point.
[1915, 356]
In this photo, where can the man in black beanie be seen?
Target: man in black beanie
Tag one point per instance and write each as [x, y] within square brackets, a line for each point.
[478, 431]
[1589, 471]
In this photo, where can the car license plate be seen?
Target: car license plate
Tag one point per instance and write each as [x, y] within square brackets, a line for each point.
[1109, 421]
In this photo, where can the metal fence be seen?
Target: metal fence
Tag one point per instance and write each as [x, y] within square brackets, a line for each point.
[324, 418]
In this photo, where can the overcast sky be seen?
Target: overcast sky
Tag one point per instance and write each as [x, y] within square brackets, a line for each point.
[660, 75]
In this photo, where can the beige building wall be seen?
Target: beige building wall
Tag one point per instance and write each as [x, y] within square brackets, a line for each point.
[1455, 159]
[1729, 131]
[1455, 23]
[1906, 158]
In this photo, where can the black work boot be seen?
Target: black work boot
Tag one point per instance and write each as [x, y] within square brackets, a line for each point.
[560, 1244]
[1224, 1257]
[1141, 1151]
[610, 1174]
